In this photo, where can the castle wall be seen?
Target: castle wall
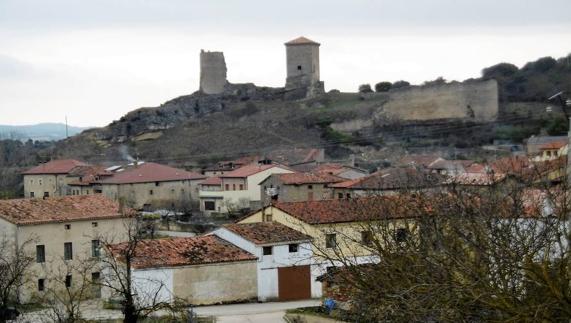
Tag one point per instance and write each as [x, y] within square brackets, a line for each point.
[306, 57]
[474, 100]
[212, 72]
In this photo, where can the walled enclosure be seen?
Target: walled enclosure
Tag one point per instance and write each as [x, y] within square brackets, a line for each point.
[472, 100]
[212, 72]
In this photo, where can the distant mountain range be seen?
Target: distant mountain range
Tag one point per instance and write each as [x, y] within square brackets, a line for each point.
[41, 131]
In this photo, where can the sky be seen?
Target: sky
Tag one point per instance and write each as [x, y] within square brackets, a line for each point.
[93, 61]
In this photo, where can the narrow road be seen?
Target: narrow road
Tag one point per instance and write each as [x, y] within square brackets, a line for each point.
[253, 312]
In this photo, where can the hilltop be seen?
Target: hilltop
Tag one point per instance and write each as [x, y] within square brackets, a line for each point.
[40, 131]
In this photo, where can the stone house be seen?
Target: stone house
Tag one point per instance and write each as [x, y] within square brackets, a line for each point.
[50, 179]
[297, 187]
[386, 182]
[151, 185]
[197, 270]
[238, 189]
[59, 233]
[284, 267]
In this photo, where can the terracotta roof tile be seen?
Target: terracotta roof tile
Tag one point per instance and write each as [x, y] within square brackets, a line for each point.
[553, 145]
[60, 209]
[267, 232]
[450, 164]
[172, 252]
[61, 166]
[419, 160]
[392, 178]
[309, 178]
[350, 210]
[302, 41]
[212, 181]
[150, 172]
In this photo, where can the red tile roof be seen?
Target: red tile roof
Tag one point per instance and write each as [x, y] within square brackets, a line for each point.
[308, 178]
[61, 166]
[553, 145]
[60, 209]
[150, 172]
[476, 179]
[334, 169]
[172, 252]
[86, 175]
[212, 181]
[250, 170]
[450, 164]
[351, 210]
[419, 160]
[267, 232]
[302, 41]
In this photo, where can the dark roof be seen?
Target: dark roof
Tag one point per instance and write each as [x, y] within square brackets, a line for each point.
[172, 252]
[352, 210]
[150, 172]
[451, 164]
[60, 209]
[302, 41]
[539, 140]
[267, 232]
[308, 178]
[61, 166]
[392, 178]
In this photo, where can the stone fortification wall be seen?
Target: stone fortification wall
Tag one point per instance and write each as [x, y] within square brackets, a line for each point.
[212, 72]
[477, 100]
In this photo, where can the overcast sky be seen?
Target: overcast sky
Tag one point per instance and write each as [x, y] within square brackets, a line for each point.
[94, 61]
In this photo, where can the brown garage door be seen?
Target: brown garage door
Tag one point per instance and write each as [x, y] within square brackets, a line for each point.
[294, 283]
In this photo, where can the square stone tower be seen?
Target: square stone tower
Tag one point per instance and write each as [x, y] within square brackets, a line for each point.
[212, 72]
[302, 57]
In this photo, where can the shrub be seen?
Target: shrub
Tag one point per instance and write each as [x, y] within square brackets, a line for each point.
[383, 86]
[365, 88]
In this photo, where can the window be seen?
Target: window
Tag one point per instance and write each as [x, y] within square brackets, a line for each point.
[348, 195]
[46, 194]
[241, 187]
[330, 240]
[95, 248]
[227, 187]
[40, 253]
[209, 205]
[267, 251]
[67, 251]
[68, 281]
[401, 234]
[233, 187]
[366, 238]
[67, 226]
[339, 195]
[299, 67]
[32, 194]
[40, 182]
[94, 224]
[41, 284]
[150, 192]
[95, 278]
[157, 183]
[268, 218]
[309, 187]
[293, 247]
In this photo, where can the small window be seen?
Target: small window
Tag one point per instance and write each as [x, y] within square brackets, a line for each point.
[68, 281]
[41, 284]
[209, 205]
[40, 253]
[150, 192]
[330, 240]
[267, 251]
[339, 195]
[67, 251]
[401, 234]
[241, 187]
[293, 247]
[32, 194]
[94, 224]
[227, 187]
[309, 187]
[233, 187]
[366, 238]
[157, 183]
[95, 278]
[348, 195]
[299, 67]
[67, 226]
[46, 194]
[40, 182]
[268, 218]
[95, 253]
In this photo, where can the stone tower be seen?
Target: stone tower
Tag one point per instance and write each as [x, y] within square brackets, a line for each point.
[212, 72]
[302, 56]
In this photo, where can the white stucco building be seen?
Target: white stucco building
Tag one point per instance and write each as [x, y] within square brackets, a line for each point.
[285, 257]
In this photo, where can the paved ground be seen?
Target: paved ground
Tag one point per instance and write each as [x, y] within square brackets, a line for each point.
[252, 308]
[253, 318]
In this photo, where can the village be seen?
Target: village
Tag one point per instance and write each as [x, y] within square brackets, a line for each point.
[444, 201]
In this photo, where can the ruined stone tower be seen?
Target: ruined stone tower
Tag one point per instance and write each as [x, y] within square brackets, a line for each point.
[302, 56]
[212, 72]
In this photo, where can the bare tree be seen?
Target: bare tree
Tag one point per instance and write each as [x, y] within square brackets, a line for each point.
[15, 263]
[495, 253]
